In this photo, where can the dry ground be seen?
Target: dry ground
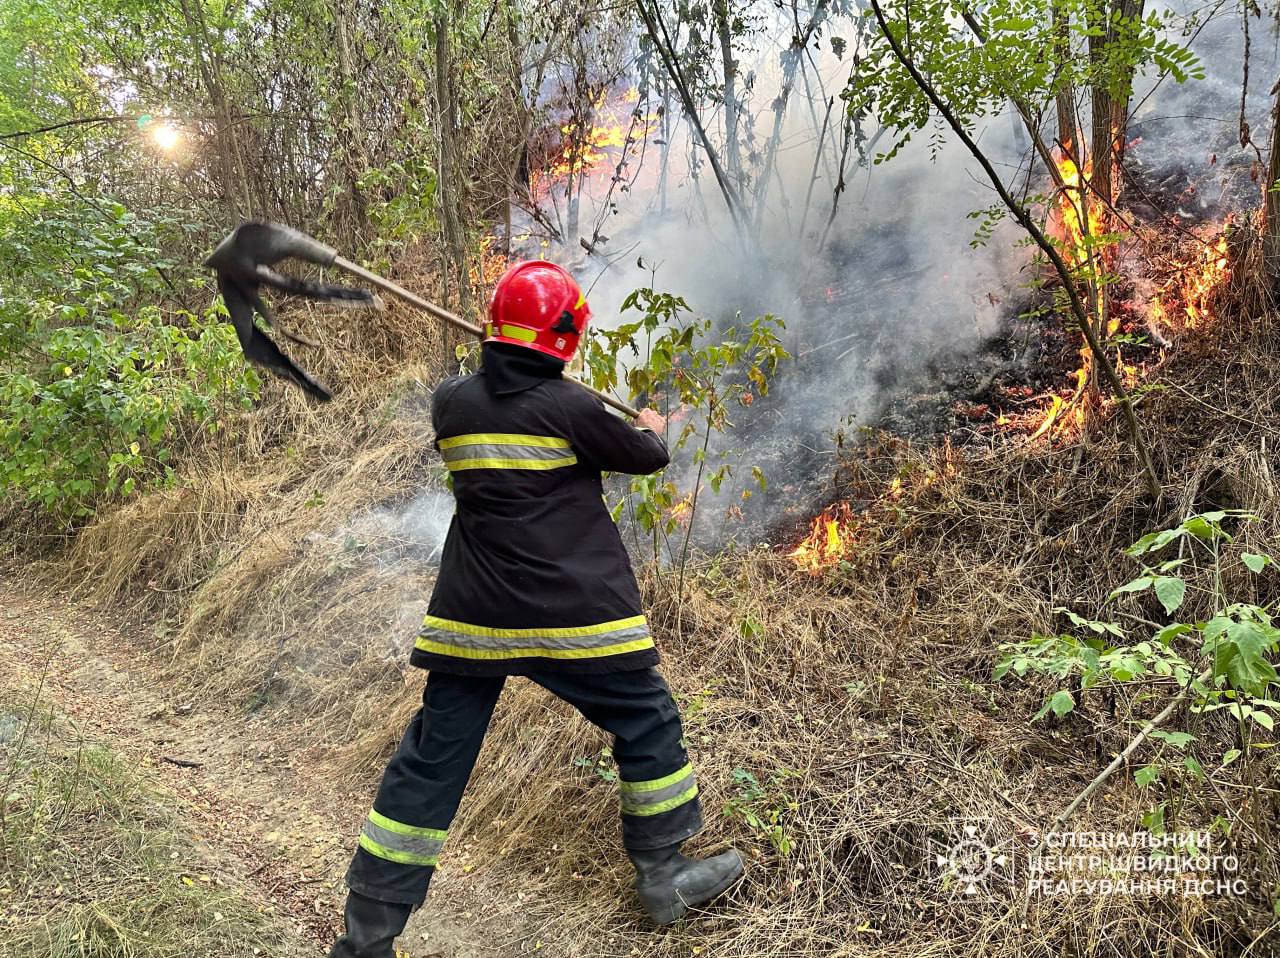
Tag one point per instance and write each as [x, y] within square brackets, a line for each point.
[270, 819]
[841, 725]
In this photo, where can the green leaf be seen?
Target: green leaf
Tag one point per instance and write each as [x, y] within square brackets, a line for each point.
[1060, 703]
[1145, 776]
[1176, 739]
[1171, 591]
[1137, 585]
[1230, 755]
[1153, 541]
[1255, 562]
[1171, 632]
[1207, 527]
[1242, 657]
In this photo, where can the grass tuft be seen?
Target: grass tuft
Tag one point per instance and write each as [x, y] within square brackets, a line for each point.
[94, 865]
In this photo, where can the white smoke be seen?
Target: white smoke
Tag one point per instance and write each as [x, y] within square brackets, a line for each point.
[415, 530]
[897, 288]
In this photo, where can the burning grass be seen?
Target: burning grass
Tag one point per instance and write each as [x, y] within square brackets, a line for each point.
[841, 715]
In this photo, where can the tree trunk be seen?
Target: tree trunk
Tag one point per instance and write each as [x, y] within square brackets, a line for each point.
[1095, 176]
[657, 30]
[450, 189]
[733, 158]
[234, 188]
[1271, 200]
[354, 160]
[1132, 9]
[1068, 134]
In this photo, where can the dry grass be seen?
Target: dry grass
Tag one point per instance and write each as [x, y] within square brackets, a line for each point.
[857, 708]
[96, 866]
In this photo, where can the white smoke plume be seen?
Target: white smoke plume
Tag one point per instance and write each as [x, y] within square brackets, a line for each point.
[897, 289]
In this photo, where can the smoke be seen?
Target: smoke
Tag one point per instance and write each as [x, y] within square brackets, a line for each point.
[894, 291]
[414, 531]
[1185, 137]
[874, 281]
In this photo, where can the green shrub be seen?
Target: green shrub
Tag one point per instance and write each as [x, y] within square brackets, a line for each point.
[98, 383]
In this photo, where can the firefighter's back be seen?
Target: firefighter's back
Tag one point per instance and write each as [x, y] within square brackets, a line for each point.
[534, 572]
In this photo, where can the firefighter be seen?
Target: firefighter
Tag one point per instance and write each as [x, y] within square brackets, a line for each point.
[534, 581]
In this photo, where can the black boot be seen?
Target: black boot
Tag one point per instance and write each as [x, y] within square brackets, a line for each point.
[670, 883]
[372, 926]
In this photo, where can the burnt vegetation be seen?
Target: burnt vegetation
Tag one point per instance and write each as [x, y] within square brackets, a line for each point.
[947, 307]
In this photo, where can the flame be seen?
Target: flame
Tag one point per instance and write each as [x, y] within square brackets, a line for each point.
[834, 532]
[829, 540]
[1185, 302]
[489, 263]
[1068, 415]
[681, 511]
[1067, 227]
[1195, 287]
[596, 143]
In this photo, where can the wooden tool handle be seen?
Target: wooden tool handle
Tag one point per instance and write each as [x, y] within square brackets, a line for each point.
[455, 320]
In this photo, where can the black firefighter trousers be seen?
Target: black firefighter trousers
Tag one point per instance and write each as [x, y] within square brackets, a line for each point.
[401, 840]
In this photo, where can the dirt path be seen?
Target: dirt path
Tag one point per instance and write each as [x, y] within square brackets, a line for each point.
[265, 817]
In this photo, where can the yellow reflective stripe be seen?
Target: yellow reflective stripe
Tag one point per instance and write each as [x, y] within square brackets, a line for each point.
[654, 784]
[391, 855]
[457, 465]
[513, 438]
[666, 806]
[519, 332]
[582, 300]
[466, 628]
[400, 828]
[457, 651]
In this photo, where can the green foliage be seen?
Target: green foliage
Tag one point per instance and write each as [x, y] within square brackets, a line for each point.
[685, 364]
[98, 383]
[764, 808]
[1224, 661]
[977, 77]
[603, 765]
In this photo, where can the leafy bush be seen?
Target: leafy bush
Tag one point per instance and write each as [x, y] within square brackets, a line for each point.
[97, 382]
[687, 365]
[1223, 662]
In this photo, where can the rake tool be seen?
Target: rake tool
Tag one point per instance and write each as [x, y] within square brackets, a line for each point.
[243, 263]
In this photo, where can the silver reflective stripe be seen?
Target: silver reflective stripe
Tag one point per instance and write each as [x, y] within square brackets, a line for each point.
[659, 795]
[502, 450]
[405, 844]
[490, 450]
[504, 640]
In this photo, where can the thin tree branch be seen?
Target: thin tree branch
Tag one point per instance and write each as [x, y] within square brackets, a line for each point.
[662, 41]
[1028, 223]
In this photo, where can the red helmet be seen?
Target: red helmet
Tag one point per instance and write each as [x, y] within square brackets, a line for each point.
[538, 305]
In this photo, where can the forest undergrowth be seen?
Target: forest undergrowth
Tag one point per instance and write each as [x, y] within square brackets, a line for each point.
[845, 725]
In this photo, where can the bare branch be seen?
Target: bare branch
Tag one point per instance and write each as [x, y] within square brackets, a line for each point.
[1028, 223]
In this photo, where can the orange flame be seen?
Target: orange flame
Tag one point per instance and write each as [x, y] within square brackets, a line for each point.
[1070, 200]
[1068, 416]
[681, 510]
[594, 145]
[830, 540]
[1196, 286]
[489, 263]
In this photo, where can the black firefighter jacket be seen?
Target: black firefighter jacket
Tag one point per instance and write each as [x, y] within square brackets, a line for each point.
[534, 576]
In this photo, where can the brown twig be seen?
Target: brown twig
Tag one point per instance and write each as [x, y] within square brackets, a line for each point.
[1025, 219]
